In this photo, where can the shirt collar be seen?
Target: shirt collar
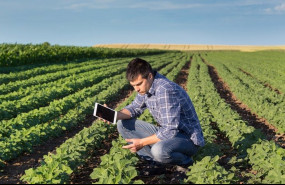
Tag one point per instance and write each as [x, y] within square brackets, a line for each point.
[154, 85]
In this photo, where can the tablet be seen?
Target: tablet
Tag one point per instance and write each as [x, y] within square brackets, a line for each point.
[105, 113]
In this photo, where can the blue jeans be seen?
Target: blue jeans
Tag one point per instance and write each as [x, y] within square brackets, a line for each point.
[176, 151]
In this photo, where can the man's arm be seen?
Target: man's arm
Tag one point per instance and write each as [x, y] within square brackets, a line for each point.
[138, 144]
[124, 114]
[137, 107]
[150, 140]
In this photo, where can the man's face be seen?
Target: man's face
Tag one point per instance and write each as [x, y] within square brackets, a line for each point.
[142, 85]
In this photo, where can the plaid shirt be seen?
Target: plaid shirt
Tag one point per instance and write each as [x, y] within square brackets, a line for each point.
[171, 107]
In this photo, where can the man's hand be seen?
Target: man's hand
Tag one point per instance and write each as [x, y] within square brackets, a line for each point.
[135, 146]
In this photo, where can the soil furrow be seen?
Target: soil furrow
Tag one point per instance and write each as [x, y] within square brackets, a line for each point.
[267, 85]
[16, 168]
[183, 75]
[242, 109]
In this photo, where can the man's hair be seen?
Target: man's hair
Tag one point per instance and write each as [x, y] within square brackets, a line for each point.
[138, 67]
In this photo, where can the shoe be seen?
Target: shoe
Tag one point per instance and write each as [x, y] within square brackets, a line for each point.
[182, 169]
[185, 167]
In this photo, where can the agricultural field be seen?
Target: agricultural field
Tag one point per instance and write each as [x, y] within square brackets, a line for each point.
[191, 47]
[48, 134]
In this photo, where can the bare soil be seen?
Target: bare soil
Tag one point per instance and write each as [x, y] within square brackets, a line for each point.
[183, 75]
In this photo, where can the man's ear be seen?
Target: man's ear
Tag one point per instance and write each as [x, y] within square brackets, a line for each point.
[150, 76]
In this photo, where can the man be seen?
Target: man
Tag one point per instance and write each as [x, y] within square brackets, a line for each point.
[179, 135]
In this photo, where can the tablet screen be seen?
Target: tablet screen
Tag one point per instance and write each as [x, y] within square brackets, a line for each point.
[105, 113]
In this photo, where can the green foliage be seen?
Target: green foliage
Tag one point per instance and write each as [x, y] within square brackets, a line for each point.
[268, 163]
[52, 172]
[117, 167]
[57, 168]
[211, 108]
[80, 84]
[250, 84]
[22, 54]
[210, 149]
[35, 127]
[208, 171]
[10, 109]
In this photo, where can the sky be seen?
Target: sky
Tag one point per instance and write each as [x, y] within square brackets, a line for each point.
[91, 22]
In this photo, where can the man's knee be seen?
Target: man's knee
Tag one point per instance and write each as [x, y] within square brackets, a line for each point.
[125, 125]
[159, 153]
[120, 126]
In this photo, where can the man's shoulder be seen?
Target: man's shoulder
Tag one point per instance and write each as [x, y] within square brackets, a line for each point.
[165, 85]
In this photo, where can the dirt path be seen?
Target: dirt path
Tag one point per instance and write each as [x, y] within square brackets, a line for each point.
[242, 109]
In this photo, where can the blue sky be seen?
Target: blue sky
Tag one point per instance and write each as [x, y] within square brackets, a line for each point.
[90, 22]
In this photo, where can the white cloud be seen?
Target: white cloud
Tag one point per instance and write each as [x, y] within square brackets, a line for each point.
[280, 7]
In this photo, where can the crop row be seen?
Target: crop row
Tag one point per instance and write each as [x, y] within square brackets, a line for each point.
[42, 98]
[206, 168]
[266, 67]
[245, 139]
[59, 106]
[23, 140]
[60, 76]
[42, 70]
[261, 100]
[23, 88]
[54, 110]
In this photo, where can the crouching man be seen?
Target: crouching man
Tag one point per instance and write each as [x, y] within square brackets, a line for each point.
[179, 134]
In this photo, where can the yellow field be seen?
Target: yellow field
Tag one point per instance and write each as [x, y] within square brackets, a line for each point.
[190, 47]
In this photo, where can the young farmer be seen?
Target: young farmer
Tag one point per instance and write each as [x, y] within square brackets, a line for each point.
[179, 134]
